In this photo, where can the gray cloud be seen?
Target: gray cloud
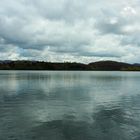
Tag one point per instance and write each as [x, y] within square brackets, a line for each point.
[70, 30]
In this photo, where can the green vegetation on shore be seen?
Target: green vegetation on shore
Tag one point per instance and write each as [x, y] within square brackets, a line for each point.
[95, 66]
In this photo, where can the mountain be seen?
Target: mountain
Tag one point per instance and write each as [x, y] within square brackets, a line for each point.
[136, 64]
[94, 66]
[5, 61]
[109, 65]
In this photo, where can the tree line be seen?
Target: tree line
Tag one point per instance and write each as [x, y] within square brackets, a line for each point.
[41, 65]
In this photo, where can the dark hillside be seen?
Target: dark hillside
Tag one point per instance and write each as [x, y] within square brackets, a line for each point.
[109, 65]
[95, 66]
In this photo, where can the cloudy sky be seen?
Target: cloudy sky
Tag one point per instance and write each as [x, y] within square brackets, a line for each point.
[70, 30]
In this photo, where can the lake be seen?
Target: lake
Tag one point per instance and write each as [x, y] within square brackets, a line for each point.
[73, 105]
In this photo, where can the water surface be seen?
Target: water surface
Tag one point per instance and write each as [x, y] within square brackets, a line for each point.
[45, 105]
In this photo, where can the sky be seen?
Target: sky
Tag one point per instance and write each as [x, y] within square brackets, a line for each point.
[70, 30]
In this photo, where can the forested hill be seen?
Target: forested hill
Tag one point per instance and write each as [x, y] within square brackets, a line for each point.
[38, 65]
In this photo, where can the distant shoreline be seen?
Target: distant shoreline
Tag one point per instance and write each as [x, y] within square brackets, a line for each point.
[68, 66]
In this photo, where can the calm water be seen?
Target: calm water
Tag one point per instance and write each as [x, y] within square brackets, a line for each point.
[69, 105]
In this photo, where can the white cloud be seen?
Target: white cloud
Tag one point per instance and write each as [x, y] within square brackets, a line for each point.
[70, 30]
[128, 11]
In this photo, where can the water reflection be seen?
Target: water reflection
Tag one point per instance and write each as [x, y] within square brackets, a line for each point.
[106, 125]
[69, 105]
